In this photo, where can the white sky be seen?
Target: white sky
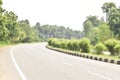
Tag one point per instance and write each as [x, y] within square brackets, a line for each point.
[68, 13]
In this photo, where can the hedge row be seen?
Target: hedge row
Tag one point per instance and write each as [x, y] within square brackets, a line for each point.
[113, 46]
[82, 45]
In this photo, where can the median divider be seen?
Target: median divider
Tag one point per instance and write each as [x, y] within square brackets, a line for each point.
[86, 56]
[100, 59]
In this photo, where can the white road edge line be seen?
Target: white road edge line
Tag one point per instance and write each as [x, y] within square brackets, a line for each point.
[16, 66]
[93, 73]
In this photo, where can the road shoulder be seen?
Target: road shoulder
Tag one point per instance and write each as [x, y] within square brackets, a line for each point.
[7, 69]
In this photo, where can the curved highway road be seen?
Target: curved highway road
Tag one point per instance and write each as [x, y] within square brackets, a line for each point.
[36, 62]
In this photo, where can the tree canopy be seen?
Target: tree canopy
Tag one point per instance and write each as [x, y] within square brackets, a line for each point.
[54, 31]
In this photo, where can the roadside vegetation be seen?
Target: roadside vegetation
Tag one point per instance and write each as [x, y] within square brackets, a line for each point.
[100, 35]
[13, 31]
[97, 37]
[83, 46]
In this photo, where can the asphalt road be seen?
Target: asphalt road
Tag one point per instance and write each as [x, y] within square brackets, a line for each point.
[36, 62]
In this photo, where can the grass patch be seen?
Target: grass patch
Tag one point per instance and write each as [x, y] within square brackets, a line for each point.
[2, 44]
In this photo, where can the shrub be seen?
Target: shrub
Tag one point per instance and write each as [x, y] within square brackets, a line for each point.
[117, 49]
[55, 43]
[74, 45]
[49, 41]
[99, 47]
[110, 44]
[69, 45]
[84, 45]
[63, 43]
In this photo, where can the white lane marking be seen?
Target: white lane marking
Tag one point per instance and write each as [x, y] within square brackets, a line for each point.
[16, 66]
[93, 73]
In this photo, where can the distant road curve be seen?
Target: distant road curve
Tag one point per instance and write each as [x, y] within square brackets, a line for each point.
[36, 62]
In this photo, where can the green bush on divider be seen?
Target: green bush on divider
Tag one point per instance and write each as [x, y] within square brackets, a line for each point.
[84, 45]
[111, 45]
[117, 49]
[99, 47]
[50, 41]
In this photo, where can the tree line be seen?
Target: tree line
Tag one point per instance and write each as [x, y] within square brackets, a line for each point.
[14, 31]
[100, 30]
[53, 31]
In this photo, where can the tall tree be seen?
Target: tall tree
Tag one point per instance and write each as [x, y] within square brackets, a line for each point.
[29, 34]
[87, 28]
[114, 21]
[3, 30]
[11, 25]
[94, 20]
[107, 7]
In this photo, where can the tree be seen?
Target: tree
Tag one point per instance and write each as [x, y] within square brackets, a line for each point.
[94, 20]
[37, 29]
[107, 7]
[94, 37]
[28, 33]
[1, 9]
[114, 21]
[11, 25]
[105, 33]
[101, 34]
[88, 28]
[3, 30]
[54, 31]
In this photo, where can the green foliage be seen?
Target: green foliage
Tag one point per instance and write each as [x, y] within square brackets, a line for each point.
[50, 41]
[111, 44]
[72, 45]
[117, 49]
[63, 43]
[0, 2]
[99, 47]
[54, 31]
[30, 34]
[107, 8]
[76, 45]
[105, 32]
[89, 24]
[94, 20]
[14, 31]
[84, 45]
[100, 33]
[88, 28]
[55, 43]
[98, 30]
[112, 17]
[114, 21]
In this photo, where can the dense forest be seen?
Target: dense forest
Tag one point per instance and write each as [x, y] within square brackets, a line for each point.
[14, 31]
